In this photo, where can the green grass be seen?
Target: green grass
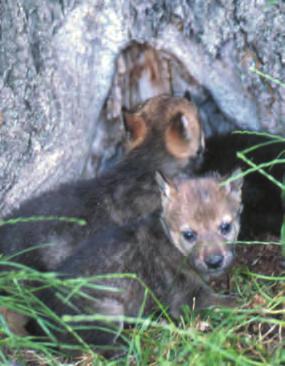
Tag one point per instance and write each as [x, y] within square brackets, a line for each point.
[267, 76]
[250, 334]
[16, 220]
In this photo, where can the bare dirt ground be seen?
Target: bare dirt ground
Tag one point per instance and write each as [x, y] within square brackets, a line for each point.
[259, 258]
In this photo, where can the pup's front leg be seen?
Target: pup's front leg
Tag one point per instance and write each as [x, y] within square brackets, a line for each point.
[199, 297]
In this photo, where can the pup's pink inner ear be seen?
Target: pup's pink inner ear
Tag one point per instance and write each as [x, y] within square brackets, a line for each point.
[136, 128]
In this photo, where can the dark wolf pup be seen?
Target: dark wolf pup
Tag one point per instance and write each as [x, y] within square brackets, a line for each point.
[165, 134]
[173, 253]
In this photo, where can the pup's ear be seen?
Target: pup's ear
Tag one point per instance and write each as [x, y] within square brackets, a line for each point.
[233, 184]
[135, 127]
[181, 127]
[166, 186]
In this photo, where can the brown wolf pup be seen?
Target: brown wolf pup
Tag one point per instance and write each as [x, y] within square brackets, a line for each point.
[165, 134]
[173, 252]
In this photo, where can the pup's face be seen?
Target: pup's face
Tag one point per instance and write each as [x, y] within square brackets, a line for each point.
[201, 218]
[172, 125]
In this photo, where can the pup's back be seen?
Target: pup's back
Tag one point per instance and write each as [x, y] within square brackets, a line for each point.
[165, 134]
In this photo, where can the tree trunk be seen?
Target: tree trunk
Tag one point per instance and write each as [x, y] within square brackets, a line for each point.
[66, 67]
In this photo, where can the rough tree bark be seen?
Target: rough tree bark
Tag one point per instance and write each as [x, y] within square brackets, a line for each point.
[59, 61]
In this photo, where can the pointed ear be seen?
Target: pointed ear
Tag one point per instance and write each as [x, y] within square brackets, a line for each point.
[166, 186]
[187, 95]
[135, 127]
[234, 184]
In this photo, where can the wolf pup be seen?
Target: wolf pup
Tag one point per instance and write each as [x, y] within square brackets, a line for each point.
[165, 134]
[173, 252]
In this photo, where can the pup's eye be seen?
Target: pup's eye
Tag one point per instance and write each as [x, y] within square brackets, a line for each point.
[189, 235]
[225, 228]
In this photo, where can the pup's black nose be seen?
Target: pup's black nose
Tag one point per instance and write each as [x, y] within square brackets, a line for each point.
[214, 261]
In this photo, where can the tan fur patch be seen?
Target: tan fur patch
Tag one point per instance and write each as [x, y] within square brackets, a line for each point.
[178, 144]
[160, 116]
[137, 128]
